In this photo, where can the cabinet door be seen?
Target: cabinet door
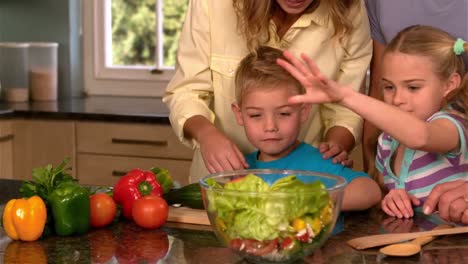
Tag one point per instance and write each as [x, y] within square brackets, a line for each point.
[105, 170]
[142, 140]
[38, 143]
[6, 150]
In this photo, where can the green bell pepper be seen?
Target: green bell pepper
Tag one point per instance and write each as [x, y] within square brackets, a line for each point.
[164, 178]
[69, 203]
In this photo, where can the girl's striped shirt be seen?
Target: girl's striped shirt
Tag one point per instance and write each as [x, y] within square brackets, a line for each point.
[421, 171]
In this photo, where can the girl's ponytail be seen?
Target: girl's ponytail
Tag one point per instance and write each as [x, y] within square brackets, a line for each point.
[459, 47]
[461, 101]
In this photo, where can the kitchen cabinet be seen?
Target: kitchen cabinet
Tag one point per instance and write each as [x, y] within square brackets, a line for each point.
[104, 136]
[106, 170]
[106, 151]
[38, 143]
[6, 150]
[100, 152]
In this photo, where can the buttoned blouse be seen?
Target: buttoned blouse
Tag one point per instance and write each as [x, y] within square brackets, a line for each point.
[211, 47]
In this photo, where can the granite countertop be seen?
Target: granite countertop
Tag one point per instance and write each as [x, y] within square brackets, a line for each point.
[124, 242]
[96, 108]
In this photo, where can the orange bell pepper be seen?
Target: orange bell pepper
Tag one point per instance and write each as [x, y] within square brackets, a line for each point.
[24, 219]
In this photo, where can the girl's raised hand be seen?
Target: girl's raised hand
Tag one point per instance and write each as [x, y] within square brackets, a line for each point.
[399, 203]
[319, 89]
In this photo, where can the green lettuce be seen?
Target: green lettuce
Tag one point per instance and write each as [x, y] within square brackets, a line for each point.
[256, 210]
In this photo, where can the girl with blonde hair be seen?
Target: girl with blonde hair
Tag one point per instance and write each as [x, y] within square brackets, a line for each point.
[423, 116]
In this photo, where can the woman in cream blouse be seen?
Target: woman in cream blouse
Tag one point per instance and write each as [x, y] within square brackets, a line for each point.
[217, 34]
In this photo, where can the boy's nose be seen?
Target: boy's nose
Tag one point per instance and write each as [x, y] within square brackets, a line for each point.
[270, 125]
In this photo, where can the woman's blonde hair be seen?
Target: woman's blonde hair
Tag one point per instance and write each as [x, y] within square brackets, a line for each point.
[253, 18]
[438, 46]
[259, 70]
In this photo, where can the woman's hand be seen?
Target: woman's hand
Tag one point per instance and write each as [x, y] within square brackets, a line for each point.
[339, 142]
[335, 151]
[399, 203]
[220, 153]
[451, 199]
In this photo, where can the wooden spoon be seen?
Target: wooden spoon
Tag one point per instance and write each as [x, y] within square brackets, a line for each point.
[385, 239]
[412, 247]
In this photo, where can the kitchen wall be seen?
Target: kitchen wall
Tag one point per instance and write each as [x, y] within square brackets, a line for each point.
[48, 21]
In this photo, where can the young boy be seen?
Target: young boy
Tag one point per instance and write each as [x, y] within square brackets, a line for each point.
[273, 125]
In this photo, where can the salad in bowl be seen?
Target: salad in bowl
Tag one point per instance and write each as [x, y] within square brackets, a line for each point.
[272, 215]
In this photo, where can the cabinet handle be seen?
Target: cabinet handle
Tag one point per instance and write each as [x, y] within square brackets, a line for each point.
[160, 143]
[118, 173]
[6, 138]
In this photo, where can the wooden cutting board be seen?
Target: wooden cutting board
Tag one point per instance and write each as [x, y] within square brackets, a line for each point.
[187, 215]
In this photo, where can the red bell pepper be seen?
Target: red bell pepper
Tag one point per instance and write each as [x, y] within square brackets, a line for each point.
[135, 184]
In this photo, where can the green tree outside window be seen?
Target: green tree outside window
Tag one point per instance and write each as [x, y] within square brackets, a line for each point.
[133, 31]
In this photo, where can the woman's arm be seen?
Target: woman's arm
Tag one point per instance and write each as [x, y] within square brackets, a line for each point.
[370, 132]
[340, 136]
[353, 69]
[190, 91]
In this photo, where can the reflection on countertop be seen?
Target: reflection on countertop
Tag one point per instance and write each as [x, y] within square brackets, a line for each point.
[97, 108]
[124, 242]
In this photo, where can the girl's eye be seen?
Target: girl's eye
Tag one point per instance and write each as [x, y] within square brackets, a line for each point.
[285, 114]
[413, 88]
[388, 87]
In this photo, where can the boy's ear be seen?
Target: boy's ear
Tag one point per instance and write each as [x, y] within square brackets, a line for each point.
[453, 83]
[237, 113]
[305, 112]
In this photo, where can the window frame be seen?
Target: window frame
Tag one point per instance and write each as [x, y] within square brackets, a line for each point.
[100, 79]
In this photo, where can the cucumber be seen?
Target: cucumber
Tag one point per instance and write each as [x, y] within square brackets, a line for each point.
[188, 195]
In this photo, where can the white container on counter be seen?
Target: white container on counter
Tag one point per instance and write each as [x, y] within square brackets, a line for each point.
[43, 70]
[14, 71]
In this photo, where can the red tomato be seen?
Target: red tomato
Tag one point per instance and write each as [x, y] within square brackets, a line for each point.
[150, 211]
[103, 209]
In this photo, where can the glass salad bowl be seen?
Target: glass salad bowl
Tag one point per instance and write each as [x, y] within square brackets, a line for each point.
[272, 215]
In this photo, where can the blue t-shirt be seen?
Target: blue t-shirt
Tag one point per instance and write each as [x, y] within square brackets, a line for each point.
[304, 157]
[309, 158]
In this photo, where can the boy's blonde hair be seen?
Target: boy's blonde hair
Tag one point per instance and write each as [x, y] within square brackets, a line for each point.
[438, 46]
[253, 18]
[259, 70]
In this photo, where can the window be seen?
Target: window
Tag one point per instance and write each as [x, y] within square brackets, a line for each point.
[130, 45]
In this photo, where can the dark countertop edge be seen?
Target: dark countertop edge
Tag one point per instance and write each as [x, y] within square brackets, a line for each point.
[126, 109]
[124, 118]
